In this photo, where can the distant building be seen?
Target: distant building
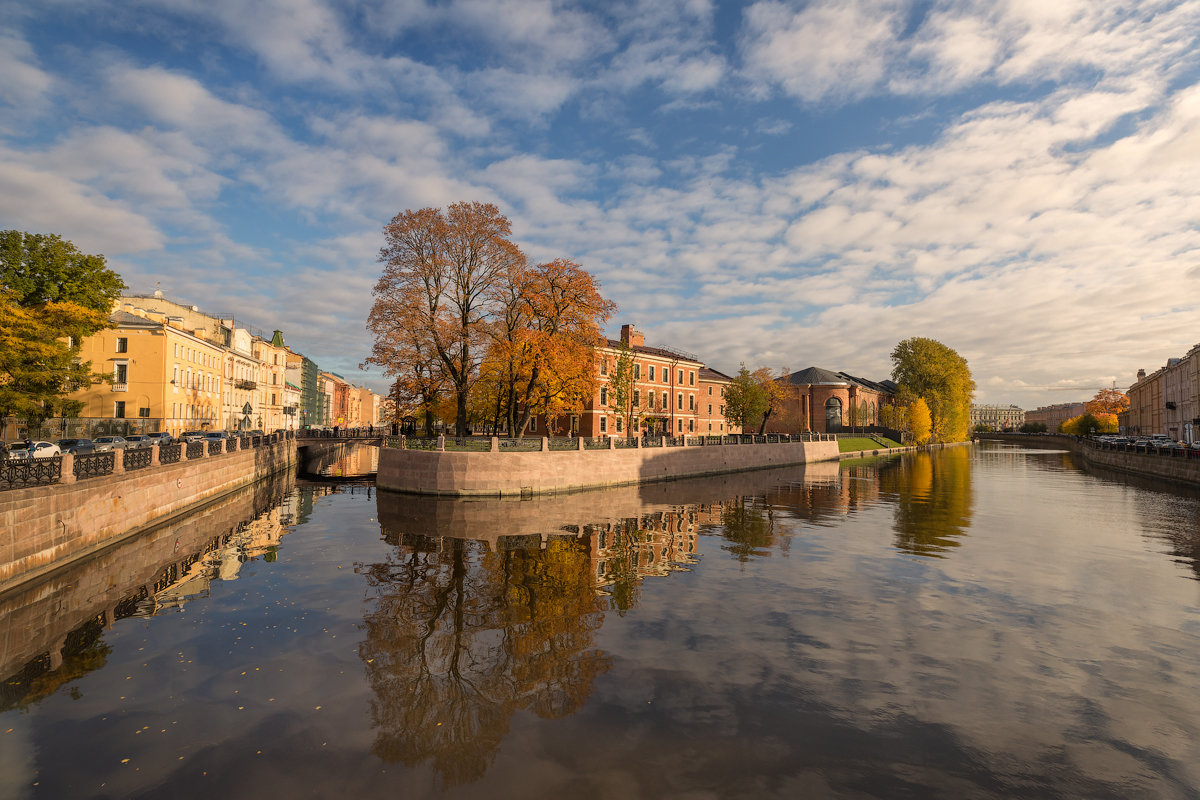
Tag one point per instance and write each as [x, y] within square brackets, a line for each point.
[999, 418]
[1167, 400]
[824, 401]
[1055, 415]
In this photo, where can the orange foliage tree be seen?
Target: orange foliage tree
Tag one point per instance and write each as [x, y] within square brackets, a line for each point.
[544, 341]
[440, 272]
[1107, 401]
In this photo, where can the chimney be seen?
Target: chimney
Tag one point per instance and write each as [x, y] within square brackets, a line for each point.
[1141, 374]
[631, 338]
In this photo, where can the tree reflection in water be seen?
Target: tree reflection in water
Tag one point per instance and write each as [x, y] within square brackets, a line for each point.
[460, 636]
[933, 499]
[749, 527]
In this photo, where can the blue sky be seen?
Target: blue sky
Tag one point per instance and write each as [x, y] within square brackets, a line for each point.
[777, 183]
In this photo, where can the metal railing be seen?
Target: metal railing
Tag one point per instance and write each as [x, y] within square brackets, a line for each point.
[170, 453]
[563, 443]
[137, 459]
[216, 447]
[195, 450]
[19, 473]
[595, 443]
[510, 445]
[92, 465]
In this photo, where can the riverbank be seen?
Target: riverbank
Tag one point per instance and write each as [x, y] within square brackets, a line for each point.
[44, 528]
[1179, 470]
[496, 473]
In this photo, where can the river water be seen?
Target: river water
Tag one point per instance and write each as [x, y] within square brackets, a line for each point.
[984, 621]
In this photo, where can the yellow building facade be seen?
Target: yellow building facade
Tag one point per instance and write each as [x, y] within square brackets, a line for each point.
[164, 378]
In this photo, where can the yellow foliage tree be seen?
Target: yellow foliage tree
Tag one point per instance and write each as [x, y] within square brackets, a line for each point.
[919, 421]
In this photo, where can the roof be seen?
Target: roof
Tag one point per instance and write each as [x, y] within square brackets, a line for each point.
[710, 374]
[125, 319]
[659, 352]
[816, 376]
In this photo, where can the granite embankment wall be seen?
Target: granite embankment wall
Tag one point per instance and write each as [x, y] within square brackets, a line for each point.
[1177, 468]
[37, 616]
[506, 474]
[44, 527]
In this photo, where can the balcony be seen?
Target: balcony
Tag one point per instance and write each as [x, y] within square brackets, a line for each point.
[120, 387]
[248, 385]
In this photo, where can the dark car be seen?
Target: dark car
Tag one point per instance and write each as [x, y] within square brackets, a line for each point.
[76, 446]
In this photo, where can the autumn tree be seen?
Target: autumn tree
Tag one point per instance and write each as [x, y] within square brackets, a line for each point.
[564, 313]
[52, 296]
[1088, 423]
[1108, 401]
[775, 391]
[747, 399]
[439, 277]
[919, 420]
[929, 370]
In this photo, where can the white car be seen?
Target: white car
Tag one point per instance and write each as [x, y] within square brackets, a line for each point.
[40, 450]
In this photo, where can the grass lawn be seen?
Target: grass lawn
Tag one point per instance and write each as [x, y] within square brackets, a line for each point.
[862, 443]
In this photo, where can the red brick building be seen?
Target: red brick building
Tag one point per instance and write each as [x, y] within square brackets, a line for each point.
[823, 401]
[673, 393]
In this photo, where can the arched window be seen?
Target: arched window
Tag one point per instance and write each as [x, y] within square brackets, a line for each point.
[833, 415]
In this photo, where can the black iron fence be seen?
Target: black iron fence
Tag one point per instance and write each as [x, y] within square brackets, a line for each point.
[137, 459]
[19, 473]
[93, 465]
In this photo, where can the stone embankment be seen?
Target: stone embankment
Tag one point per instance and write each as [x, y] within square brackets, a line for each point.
[545, 470]
[1177, 467]
[42, 528]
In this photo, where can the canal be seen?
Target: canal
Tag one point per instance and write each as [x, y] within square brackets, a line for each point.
[984, 621]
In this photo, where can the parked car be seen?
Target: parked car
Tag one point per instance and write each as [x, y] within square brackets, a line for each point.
[187, 437]
[106, 443]
[138, 442]
[76, 446]
[39, 449]
[160, 438]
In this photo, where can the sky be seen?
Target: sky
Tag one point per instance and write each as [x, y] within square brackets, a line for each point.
[774, 183]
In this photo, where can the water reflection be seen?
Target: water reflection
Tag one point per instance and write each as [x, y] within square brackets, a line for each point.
[51, 631]
[460, 636]
[789, 633]
[933, 498]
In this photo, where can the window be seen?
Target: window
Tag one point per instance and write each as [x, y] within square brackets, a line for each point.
[604, 366]
[122, 344]
[603, 424]
[119, 409]
[710, 427]
[120, 376]
[679, 427]
[710, 410]
[650, 401]
[691, 426]
[651, 368]
[710, 391]
[679, 402]
[272, 398]
[603, 395]
[618, 424]
[637, 372]
[637, 399]
[681, 376]
[143, 412]
[722, 411]
[691, 379]
[691, 402]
